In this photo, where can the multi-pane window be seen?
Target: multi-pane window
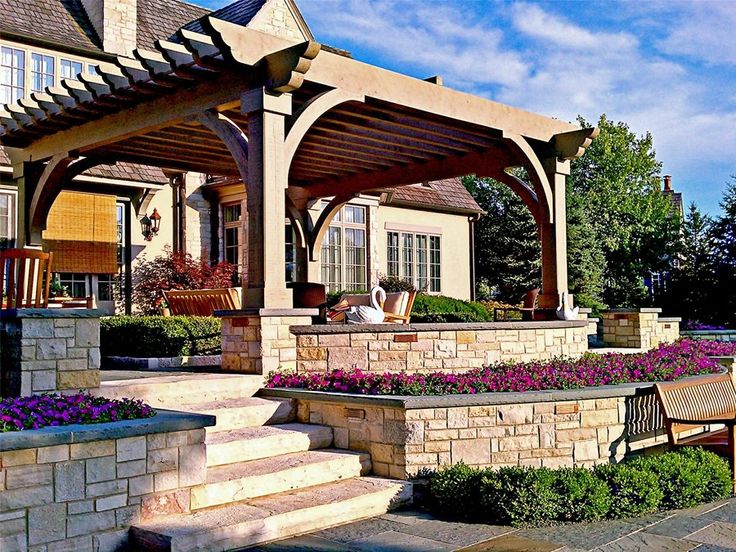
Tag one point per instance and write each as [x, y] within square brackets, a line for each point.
[344, 249]
[231, 234]
[42, 71]
[290, 253]
[415, 258]
[75, 283]
[106, 287]
[12, 74]
[69, 69]
[7, 219]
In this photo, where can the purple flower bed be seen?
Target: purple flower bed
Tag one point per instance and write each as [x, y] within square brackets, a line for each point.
[39, 411]
[668, 362]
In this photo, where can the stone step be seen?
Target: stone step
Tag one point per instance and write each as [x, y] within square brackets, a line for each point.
[253, 443]
[245, 480]
[272, 517]
[245, 412]
[174, 391]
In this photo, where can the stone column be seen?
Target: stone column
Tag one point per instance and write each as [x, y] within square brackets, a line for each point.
[45, 350]
[636, 328]
[266, 184]
[554, 237]
[258, 341]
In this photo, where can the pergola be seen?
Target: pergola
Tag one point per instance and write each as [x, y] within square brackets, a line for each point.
[295, 122]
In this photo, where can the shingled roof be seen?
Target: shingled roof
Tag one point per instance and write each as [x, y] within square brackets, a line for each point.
[439, 195]
[240, 12]
[159, 19]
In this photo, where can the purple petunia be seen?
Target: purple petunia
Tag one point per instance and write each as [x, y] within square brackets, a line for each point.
[53, 409]
[666, 363]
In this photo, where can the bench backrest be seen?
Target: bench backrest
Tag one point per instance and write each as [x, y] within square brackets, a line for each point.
[25, 278]
[202, 302]
[695, 398]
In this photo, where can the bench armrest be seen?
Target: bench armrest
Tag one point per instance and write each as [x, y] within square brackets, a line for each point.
[713, 420]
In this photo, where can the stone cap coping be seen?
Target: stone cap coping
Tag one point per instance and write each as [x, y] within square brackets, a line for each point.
[452, 326]
[266, 312]
[163, 422]
[51, 313]
[670, 319]
[585, 310]
[708, 332]
[641, 310]
[460, 400]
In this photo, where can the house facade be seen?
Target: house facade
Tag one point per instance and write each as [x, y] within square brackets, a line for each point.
[421, 232]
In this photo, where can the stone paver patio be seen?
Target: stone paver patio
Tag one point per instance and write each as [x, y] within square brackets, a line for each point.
[709, 528]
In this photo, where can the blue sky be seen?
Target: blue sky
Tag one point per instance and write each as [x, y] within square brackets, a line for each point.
[667, 67]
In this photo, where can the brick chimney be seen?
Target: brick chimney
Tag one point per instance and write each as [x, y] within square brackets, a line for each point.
[116, 23]
[667, 183]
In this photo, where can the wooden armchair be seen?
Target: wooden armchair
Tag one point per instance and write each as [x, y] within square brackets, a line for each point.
[397, 307]
[25, 278]
[528, 306]
[202, 302]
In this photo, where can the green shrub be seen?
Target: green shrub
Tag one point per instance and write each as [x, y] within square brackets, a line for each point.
[680, 478]
[716, 475]
[426, 304]
[160, 336]
[455, 491]
[394, 283]
[520, 495]
[583, 496]
[635, 492]
[444, 317]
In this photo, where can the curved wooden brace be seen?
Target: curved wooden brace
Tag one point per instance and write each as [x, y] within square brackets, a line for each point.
[522, 189]
[60, 168]
[317, 234]
[297, 221]
[231, 135]
[545, 198]
[308, 114]
[142, 200]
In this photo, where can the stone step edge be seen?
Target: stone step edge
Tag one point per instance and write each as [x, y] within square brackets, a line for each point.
[280, 525]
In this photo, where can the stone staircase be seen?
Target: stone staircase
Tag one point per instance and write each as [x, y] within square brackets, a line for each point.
[267, 477]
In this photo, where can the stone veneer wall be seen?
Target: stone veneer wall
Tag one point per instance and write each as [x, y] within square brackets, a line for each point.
[259, 341]
[81, 488]
[638, 328]
[710, 335]
[416, 347]
[554, 428]
[45, 350]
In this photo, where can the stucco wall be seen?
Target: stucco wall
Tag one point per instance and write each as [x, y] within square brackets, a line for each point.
[455, 243]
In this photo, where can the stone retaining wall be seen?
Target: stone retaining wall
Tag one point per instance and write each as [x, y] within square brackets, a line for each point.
[80, 488]
[710, 335]
[638, 328]
[552, 428]
[44, 350]
[417, 347]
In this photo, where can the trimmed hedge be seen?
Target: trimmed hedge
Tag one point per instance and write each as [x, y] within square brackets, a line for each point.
[438, 308]
[160, 336]
[534, 496]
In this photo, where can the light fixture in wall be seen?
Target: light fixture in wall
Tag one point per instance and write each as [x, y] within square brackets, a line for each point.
[150, 225]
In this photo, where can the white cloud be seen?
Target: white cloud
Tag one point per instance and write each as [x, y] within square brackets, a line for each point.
[704, 31]
[533, 21]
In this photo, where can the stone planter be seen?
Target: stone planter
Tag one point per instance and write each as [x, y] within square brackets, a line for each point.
[80, 487]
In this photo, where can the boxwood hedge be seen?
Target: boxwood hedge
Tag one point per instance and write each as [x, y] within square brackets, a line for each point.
[160, 336]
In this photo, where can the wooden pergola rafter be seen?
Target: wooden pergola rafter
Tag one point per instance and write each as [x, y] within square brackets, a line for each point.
[292, 121]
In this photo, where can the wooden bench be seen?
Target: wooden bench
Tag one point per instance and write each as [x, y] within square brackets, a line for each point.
[698, 403]
[201, 302]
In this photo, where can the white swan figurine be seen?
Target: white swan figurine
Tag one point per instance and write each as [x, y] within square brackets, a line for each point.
[564, 312]
[363, 314]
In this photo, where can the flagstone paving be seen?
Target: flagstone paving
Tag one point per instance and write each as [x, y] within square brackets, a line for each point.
[709, 528]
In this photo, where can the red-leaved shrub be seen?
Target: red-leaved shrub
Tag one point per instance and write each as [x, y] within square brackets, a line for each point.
[176, 271]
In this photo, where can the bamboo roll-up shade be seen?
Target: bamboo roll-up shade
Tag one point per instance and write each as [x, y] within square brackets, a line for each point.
[81, 230]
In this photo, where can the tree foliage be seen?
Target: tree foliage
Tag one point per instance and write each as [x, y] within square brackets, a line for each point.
[508, 253]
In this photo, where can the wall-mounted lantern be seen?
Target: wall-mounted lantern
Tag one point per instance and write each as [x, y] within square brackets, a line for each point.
[150, 225]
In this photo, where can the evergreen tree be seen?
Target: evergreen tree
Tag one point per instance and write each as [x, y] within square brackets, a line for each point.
[724, 233]
[508, 253]
[585, 259]
[694, 277]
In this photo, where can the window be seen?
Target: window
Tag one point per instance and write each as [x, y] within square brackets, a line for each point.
[7, 219]
[12, 74]
[91, 69]
[344, 251]
[231, 234]
[75, 283]
[69, 69]
[416, 258]
[42, 72]
[106, 287]
[290, 241]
